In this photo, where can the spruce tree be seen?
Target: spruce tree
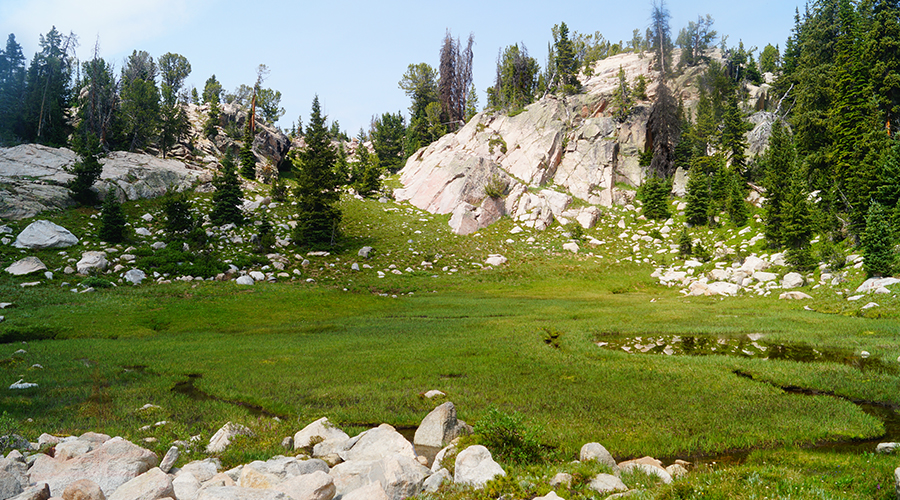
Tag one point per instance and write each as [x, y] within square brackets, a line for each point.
[86, 173]
[878, 243]
[655, 198]
[738, 211]
[697, 197]
[227, 197]
[366, 177]
[685, 244]
[734, 127]
[318, 214]
[248, 159]
[779, 165]
[798, 224]
[112, 220]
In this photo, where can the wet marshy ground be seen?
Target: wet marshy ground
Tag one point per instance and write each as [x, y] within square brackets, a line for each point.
[755, 346]
[752, 345]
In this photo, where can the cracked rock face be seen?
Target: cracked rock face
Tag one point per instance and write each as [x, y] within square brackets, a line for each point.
[33, 178]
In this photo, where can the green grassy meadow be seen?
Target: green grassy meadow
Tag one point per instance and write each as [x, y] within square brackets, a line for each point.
[362, 349]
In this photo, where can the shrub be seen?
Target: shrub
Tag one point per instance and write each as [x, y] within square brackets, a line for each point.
[495, 188]
[278, 191]
[508, 438]
[701, 252]
[95, 282]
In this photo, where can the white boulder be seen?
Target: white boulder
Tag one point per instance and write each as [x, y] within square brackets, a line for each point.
[25, 266]
[475, 466]
[45, 234]
[92, 261]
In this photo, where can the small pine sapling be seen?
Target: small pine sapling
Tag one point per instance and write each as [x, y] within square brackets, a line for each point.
[112, 220]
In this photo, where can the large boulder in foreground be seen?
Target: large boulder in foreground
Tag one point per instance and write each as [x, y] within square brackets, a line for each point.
[440, 427]
[475, 466]
[42, 234]
[110, 465]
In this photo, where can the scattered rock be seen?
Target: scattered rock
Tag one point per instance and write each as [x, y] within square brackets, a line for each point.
[475, 466]
[650, 467]
[317, 432]
[222, 438]
[795, 295]
[436, 480]
[372, 491]
[111, 465]
[598, 453]
[563, 479]
[440, 427]
[151, 485]
[238, 493]
[606, 484]
[45, 234]
[434, 393]
[792, 280]
[244, 280]
[169, 459]
[887, 448]
[364, 252]
[25, 266]
[549, 496]
[22, 385]
[571, 247]
[495, 260]
[135, 276]
[377, 443]
[92, 261]
[315, 486]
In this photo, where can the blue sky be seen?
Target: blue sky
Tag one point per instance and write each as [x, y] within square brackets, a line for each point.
[352, 54]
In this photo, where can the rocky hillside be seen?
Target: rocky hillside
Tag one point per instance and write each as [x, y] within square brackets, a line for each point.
[534, 165]
[33, 178]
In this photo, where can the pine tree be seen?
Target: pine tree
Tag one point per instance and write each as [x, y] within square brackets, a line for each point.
[779, 166]
[685, 244]
[12, 89]
[248, 159]
[697, 197]
[366, 172]
[621, 98]
[655, 191]
[227, 196]
[663, 126]
[177, 208]
[734, 127]
[798, 225]
[112, 220]
[879, 258]
[317, 192]
[566, 63]
[48, 91]
[86, 173]
[140, 104]
[738, 211]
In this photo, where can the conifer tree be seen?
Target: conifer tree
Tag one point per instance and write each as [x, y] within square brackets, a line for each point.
[248, 159]
[738, 211]
[112, 220]
[685, 245]
[317, 192]
[779, 165]
[86, 173]
[621, 98]
[366, 177]
[656, 198]
[566, 63]
[734, 127]
[227, 196]
[798, 224]
[879, 258]
[697, 198]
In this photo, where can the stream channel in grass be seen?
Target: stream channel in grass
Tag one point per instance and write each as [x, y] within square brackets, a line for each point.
[756, 347]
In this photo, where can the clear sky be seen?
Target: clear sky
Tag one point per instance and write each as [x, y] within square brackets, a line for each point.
[352, 54]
